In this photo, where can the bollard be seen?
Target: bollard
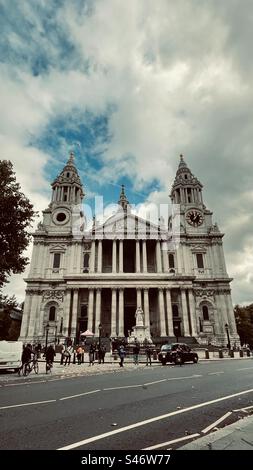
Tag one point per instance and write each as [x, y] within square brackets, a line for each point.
[220, 353]
[207, 354]
[74, 358]
[248, 352]
[154, 355]
[82, 358]
[241, 353]
[231, 352]
[62, 357]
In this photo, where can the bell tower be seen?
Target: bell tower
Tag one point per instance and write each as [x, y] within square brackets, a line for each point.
[67, 187]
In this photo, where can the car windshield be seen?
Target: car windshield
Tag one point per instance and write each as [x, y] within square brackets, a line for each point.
[166, 347]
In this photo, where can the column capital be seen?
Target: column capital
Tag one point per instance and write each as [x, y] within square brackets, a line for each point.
[121, 289]
[146, 289]
[98, 289]
[161, 289]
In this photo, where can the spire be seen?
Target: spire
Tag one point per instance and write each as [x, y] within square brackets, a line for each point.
[123, 202]
[186, 186]
[71, 160]
[67, 187]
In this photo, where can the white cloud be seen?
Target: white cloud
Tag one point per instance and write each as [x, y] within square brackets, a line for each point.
[179, 78]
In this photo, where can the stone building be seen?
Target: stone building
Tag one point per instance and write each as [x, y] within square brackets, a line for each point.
[95, 279]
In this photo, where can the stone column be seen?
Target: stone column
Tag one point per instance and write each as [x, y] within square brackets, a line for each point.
[185, 314]
[114, 256]
[121, 312]
[192, 313]
[121, 264]
[158, 257]
[25, 317]
[146, 310]
[138, 298]
[98, 311]
[231, 316]
[169, 313]
[144, 256]
[32, 316]
[138, 258]
[74, 313]
[92, 256]
[113, 312]
[66, 314]
[165, 261]
[162, 313]
[100, 256]
[90, 309]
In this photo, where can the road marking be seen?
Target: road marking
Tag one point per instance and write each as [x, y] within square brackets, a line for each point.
[245, 368]
[211, 426]
[120, 388]
[26, 404]
[151, 420]
[80, 395]
[189, 377]
[215, 373]
[156, 382]
[163, 444]
[244, 408]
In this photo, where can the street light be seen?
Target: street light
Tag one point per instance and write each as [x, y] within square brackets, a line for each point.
[226, 328]
[176, 332]
[99, 338]
[47, 330]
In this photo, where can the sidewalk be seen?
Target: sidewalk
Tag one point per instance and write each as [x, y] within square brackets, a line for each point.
[236, 436]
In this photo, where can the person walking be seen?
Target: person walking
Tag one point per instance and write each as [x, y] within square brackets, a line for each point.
[148, 352]
[91, 354]
[67, 355]
[122, 354]
[79, 353]
[136, 350]
[49, 354]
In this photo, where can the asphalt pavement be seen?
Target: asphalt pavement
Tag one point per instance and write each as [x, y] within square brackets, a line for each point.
[139, 407]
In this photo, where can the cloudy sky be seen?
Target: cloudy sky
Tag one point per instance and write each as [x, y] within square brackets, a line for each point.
[132, 85]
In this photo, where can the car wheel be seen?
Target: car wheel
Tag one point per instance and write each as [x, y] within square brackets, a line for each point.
[178, 360]
[195, 360]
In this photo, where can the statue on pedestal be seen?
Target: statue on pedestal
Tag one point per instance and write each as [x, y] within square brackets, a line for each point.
[139, 315]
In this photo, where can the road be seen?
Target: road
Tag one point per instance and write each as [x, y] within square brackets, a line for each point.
[128, 409]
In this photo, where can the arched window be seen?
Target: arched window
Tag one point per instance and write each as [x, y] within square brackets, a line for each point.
[171, 261]
[86, 263]
[52, 313]
[205, 313]
[175, 310]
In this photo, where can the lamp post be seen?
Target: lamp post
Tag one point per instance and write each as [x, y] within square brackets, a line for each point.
[176, 332]
[47, 330]
[99, 338]
[227, 331]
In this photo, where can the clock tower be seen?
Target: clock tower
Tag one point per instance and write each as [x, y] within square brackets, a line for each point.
[200, 255]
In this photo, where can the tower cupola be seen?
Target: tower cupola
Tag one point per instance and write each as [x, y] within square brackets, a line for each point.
[67, 187]
[186, 188]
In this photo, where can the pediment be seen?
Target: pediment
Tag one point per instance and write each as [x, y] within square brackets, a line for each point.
[129, 226]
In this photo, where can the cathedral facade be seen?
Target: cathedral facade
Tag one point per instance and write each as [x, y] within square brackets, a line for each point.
[97, 278]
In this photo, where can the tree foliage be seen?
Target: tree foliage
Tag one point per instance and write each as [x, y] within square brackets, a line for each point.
[16, 215]
[244, 323]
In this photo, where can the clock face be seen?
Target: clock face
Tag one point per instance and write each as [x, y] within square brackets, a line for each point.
[194, 218]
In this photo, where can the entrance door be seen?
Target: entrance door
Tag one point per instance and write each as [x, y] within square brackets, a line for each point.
[177, 328]
[129, 319]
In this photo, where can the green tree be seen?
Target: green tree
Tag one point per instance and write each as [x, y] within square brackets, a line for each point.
[16, 216]
[6, 306]
[244, 323]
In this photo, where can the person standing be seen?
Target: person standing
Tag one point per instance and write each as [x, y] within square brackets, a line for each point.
[136, 350]
[91, 354]
[49, 354]
[79, 353]
[148, 352]
[122, 354]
